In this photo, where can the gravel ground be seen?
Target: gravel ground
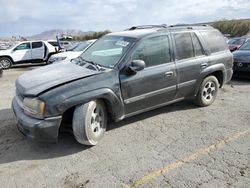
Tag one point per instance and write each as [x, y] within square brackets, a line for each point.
[179, 145]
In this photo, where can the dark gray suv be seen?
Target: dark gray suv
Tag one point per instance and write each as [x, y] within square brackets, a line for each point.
[121, 75]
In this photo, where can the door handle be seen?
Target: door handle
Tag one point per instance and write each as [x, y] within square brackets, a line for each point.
[170, 73]
[204, 65]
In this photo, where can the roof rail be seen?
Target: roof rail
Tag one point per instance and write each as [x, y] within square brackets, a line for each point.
[180, 25]
[146, 27]
[188, 26]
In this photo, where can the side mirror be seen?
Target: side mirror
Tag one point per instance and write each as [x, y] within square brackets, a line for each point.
[135, 66]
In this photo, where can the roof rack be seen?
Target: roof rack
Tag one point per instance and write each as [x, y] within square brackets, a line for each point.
[146, 27]
[188, 26]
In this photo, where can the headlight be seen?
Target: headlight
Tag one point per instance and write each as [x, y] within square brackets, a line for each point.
[55, 59]
[34, 107]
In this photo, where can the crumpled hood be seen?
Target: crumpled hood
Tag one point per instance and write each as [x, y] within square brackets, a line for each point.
[36, 81]
[242, 55]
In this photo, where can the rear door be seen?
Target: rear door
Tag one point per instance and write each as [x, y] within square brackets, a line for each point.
[22, 52]
[190, 58]
[156, 84]
[38, 50]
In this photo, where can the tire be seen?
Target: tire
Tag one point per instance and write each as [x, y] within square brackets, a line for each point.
[90, 122]
[47, 59]
[6, 62]
[207, 92]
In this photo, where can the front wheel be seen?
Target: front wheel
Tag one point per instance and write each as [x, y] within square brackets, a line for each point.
[90, 122]
[5, 62]
[207, 92]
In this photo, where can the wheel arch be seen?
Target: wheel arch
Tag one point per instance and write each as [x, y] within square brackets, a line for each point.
[112, 102]
[217, 70]
[7, 56]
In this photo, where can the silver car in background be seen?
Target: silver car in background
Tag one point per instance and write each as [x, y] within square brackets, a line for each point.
[71, 53]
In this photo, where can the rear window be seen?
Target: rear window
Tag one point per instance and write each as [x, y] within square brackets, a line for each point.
[214, 40]
[184, 46]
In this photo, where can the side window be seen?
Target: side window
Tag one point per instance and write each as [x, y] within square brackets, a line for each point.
[184, 46]
[197, 45]
[23, 46]
[214, 40]
[37, 44]
[154, 51]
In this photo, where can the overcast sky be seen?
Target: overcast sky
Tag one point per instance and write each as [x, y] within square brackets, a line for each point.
[28, 17]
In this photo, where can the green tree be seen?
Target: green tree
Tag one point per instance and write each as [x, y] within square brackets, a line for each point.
[235, 28]
[94, 35]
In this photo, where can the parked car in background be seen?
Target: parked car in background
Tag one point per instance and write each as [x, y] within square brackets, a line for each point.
[71, 53]
[236, 43]
[121, 75]
[242, 61]
[54, 43]
[26, 52]
[6, 45]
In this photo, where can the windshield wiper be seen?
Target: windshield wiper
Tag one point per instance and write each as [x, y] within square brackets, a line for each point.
[90, 62]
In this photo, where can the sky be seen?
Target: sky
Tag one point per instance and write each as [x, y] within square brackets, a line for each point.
[29, 17]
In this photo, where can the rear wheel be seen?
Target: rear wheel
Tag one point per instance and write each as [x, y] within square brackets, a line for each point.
[6, 62]
[90, 122]
[208, 91]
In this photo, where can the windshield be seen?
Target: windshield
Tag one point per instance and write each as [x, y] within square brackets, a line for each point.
[245, 46]
[80, 47]
[238, 41]
[108, 50]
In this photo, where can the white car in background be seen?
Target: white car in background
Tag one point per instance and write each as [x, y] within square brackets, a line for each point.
[26, 52]
[72, 53]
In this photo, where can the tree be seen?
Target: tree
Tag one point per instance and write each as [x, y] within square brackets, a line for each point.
[235, 28]
[94, 35]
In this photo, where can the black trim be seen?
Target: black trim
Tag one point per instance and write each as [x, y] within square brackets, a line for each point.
[150, 94]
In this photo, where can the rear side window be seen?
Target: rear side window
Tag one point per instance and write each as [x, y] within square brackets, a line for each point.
[37, 44]
[214, 40]
[184, 46]
[197, 46]
[153, 51]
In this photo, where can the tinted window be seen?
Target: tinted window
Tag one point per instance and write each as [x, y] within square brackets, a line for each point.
[214, 40]
[184, 46]
[153, 51]
[23, 46]
[37, 44]
[197, 46]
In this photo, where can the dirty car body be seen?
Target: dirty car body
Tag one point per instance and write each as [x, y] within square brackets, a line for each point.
[115, 75]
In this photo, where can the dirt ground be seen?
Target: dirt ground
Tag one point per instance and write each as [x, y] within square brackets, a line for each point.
[179, 145]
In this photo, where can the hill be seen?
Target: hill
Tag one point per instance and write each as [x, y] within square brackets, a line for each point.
[51, 34]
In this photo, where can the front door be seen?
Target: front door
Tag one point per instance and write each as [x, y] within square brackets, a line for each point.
[22, 52]
[156, 84]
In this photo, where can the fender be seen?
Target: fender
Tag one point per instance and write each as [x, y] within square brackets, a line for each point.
[114, 103]
[209, 70]
[7, 56]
